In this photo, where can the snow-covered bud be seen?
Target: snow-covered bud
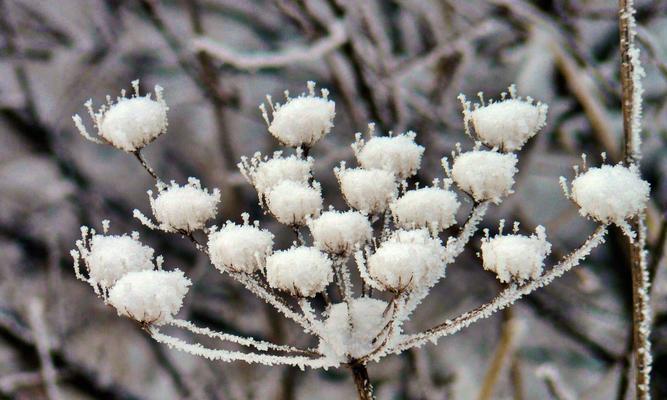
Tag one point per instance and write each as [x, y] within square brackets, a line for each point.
[506, 124]
[293, 202]
[184, 208]
[399, 154]
[516, 257]
[408, 260]
[431, 207]
[485, 175]
[339, 233]
[130, 123]
[303, 120]
[367, 190]
[610, 194]
[151, 297]
[265, 173]
[239, 248]
[302, 271]
[108, 258]
[351, 335]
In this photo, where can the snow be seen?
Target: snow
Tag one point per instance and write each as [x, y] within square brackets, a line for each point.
[367, 190]
[486, 175]
[398, 154]
[431, 207]
[265, 173]
[149, 296]
[407, 260]
[239, 248]
[302, 271]
[506, 124]
[352, 334]
[516, 257]
[610, 193]
[110, 257]
[130, 123]
[293, 202]
[184, 208]
[303, 120]
[340, 233]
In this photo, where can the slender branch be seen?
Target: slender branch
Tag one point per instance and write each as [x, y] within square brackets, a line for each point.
[41, 335]
[362, 382]
[504, 352]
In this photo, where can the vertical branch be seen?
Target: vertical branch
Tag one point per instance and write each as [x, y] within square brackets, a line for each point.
[362, 382]
[503, 353]
[41, 335]
[631, 73]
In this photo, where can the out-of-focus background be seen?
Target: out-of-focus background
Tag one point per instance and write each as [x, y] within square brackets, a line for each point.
[397, 63]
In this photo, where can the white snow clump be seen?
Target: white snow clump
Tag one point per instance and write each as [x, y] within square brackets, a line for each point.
[128, 124]
[184, 208]
[486, 175]
[430, 207]
[516, 257]
[303, 120]
[302, 271]
[399, 154]
[367, 190]
[340, 233]
[239, 248]
[151, 297]
[265, 173]
[293, 202]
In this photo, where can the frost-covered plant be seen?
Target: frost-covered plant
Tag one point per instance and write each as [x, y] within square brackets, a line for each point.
[370, 265]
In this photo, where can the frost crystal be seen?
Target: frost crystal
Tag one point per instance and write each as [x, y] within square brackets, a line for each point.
[368, 190]
[184, 208]
[303, 120]
[610, 193]
[339, 233]
[266, 173]
[408, 260]
[516, 257]
[399, 154]
[239, 248]
[130, 123]
[302, 271]
[293, 202]
[111, 257]
[150, 296]
[486, 175]
[352, 335]
[430, 207]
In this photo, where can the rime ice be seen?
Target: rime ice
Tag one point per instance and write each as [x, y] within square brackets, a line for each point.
[339, 233]
[486, 175]
[516, 257]
[302, 271]
[149, 296]
[111, 257]
[610, 193]
[293, 202]
[367, 190]
[429, 207]
[265, 173]
[130, 123]
[303, 120]
[184, 208]
[239, 248]
[399, 154]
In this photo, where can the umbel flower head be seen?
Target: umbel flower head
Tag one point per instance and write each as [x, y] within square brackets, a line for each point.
[398, 154]
[367, 190]
[264, 173]
[484, 174]
[239, 248]
[506, 124]
[130, 123]
[303, 120]
[302, 271]
[340, 232]
[433, 208]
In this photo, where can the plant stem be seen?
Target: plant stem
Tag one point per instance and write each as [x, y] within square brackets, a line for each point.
[363, 383]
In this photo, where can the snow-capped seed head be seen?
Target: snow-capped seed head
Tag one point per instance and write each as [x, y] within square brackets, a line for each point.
[239, 248]
[367, 190]
[303, 120]
[302, 271]
[408, 260]
[351, 335]
[486, 175]
[130, 123]
[516, 257]
[430, 207]
[266, 173]
[506, 124]
[184, 208]
[339, 233]
[293, 202]
[610, 194]
[151, 297]
[399, 154]
[110, 257]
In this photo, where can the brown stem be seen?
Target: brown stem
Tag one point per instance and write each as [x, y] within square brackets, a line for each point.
[362, 382]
